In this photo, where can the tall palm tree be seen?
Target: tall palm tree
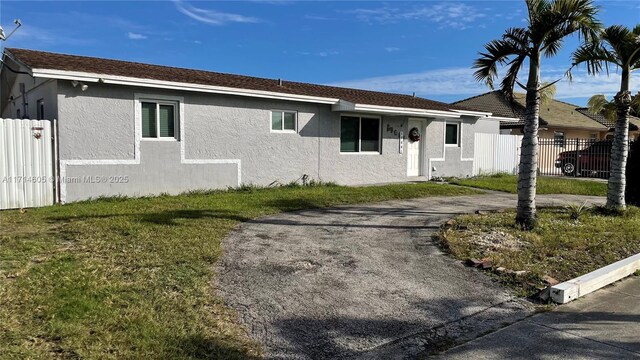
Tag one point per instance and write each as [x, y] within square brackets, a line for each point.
[549, 23]
[619, 47]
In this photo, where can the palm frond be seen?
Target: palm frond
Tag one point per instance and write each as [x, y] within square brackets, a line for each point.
[596, 103]
[561, 19]
[547, 92]
[508, 82]
[595, 57]
[620, 39]
[497, 53]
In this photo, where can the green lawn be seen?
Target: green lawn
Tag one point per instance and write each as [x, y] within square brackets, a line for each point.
[546, 185]
[559, 247]
[131, 278]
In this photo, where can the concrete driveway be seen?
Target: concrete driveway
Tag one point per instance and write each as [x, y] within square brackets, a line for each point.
[363, 281]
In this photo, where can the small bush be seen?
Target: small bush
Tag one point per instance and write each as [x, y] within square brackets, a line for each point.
[633, 175]
[576, 211]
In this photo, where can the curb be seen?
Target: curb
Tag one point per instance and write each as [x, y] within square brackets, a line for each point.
[588, 283]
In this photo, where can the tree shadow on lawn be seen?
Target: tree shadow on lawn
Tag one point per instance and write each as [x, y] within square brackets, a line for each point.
[305, 208]
[202, 347]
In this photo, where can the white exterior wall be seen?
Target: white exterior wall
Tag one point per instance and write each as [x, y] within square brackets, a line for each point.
[446, 160]
[225, 141]
[35, 89]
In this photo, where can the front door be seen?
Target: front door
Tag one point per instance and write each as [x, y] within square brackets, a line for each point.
[414, 151]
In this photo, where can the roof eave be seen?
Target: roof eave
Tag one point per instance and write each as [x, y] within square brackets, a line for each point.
[172, 85]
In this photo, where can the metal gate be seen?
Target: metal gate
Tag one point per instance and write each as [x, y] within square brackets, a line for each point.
[27, 158]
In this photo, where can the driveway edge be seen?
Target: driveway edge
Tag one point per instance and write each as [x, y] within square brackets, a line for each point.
[588, 283]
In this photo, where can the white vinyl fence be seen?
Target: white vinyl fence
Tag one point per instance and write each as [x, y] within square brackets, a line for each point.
[496, 153]
[27, 171]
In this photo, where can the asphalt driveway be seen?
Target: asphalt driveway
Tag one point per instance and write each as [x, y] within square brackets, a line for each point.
[363, 281]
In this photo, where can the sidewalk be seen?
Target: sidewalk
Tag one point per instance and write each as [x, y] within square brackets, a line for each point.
[605, 324]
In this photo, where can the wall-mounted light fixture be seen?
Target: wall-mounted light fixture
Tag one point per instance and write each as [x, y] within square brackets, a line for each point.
[83, 86]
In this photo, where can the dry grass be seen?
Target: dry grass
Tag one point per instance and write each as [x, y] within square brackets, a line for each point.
[560, 246]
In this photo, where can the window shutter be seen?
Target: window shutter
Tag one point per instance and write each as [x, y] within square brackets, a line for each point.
[148, 119]
[167, 121]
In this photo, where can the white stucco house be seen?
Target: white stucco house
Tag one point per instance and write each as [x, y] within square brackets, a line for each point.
[157, 129]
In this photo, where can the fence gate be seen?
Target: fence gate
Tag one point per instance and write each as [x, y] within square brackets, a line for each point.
[496, 153]
[27, 174]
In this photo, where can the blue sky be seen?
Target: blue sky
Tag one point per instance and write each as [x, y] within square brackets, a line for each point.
[426, 47]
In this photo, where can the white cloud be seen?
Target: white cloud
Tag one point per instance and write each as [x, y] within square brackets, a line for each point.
[391, 49]
[321, 53]
[135, 36]
[212, 17]
[460, 82]
[447, 15]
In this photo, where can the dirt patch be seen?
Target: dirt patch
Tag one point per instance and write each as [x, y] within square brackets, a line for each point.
[496, 240]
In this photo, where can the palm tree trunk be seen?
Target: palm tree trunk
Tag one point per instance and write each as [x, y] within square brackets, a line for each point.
[620, 147]
[526, 212]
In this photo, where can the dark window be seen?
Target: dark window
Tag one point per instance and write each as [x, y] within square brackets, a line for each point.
[283, 121]
[558, 138]
[370, 134]
[40, 110]
[451, 134]
[359, 134]
[158, 120]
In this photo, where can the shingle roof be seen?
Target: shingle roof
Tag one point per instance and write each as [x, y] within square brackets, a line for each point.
[54, 61]
[634, 122]
[497, 103]
[554, 114]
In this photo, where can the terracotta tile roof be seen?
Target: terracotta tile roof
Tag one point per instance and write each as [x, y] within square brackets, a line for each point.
[54, 61]
[634, 122]
[554, 114]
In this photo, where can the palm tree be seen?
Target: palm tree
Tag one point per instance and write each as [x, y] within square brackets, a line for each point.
[549, 23]
[619, 47]
[599, 104]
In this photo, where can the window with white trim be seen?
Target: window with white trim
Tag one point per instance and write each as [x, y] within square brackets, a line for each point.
[283, 121]
[159, 119]
[359, 134]
[452, 134]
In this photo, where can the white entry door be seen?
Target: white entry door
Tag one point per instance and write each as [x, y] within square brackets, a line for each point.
[414, 150]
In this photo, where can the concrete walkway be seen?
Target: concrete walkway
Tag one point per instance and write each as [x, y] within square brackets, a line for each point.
[603, 325]
[363, 281]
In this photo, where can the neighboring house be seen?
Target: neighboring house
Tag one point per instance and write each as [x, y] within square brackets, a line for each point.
[563, 126]
[151, 129]
[558, 120]
[634, 124]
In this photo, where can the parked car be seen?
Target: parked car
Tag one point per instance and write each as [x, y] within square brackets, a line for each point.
[590, 161]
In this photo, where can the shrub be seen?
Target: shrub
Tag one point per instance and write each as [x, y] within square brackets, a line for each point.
[575, 211]
[633, 175]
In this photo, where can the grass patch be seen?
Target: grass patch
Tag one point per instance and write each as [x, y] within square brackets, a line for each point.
[546, 185]
[131, 278]
[560, 246]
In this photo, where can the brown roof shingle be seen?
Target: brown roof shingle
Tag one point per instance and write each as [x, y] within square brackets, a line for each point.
[497, 103]
[54, 61]
[553, 114]
[634, 122]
